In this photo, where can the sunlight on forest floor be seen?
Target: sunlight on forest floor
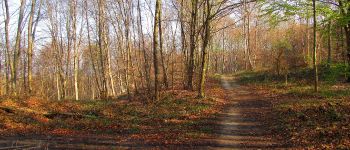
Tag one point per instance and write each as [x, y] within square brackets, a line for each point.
[303, 117]
[178, 118]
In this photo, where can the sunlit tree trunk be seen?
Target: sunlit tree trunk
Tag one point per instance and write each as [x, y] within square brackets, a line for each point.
[17, 50]
[223, 51]
[155, 49]
[30, 46]
[315, 47]
[73, 16]
[102, 46]
[206, 39]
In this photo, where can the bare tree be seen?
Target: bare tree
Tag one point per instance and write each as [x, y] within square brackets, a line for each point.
[206, 40]
[102, 42]
[142, 46]
[155, 49]
[161, 49]
[315, 47]
[7, 51]
[193, 35]
[17, 50]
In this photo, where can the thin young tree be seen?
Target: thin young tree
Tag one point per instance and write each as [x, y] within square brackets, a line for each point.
[155, 49]
[329, 42]
[161, 49]
[7, 51]
[73, 18]
[142, 46]
[315, 47]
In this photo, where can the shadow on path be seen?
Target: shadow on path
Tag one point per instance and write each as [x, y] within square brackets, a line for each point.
[241, 125]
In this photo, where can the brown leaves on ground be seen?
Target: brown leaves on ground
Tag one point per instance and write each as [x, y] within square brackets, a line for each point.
[310, 120]
[323, 125]
[178, 118]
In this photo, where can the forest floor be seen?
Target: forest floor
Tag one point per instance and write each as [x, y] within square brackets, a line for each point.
[237, 114]
[232, 117]
[301, 117]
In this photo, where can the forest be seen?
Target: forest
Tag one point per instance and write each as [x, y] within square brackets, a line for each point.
[169, 74]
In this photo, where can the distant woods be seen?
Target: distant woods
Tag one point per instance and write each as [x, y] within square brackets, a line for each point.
[83, 49]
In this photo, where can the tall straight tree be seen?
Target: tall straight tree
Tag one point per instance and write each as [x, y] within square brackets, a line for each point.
[161, 49]
[73, 16]
[155, 49]
[7, 51]
[17, 50]
[329, 42]
[315, 47]
[142, 46]
[344, 6]
[30, 46]
[183, 41]
[102, 46]
[193, 34]
[205, 43]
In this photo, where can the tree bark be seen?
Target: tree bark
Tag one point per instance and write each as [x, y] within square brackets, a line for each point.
[73, 15]
[329, 44]
[183, 44]
[102, 46]
[206, 40]
[193, 34]
[161, 49]
[17, 51]
[142, 44]
[7, 51]
[315, 47]
[155, 49]
[30, 46]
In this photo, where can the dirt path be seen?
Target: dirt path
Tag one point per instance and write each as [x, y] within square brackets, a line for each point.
[241, 125]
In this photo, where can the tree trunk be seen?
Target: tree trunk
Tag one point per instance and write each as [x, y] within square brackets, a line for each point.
[206, 39]
[315, 47]
[17, 51]
[223, 51]
[30, 46]
[193, 24]
[329, 44]
[161, 50]
[102, 46]
[145, 57]
[183, 45]
[73, 15]
[155, 49]
[90, 50]
[7, 52]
